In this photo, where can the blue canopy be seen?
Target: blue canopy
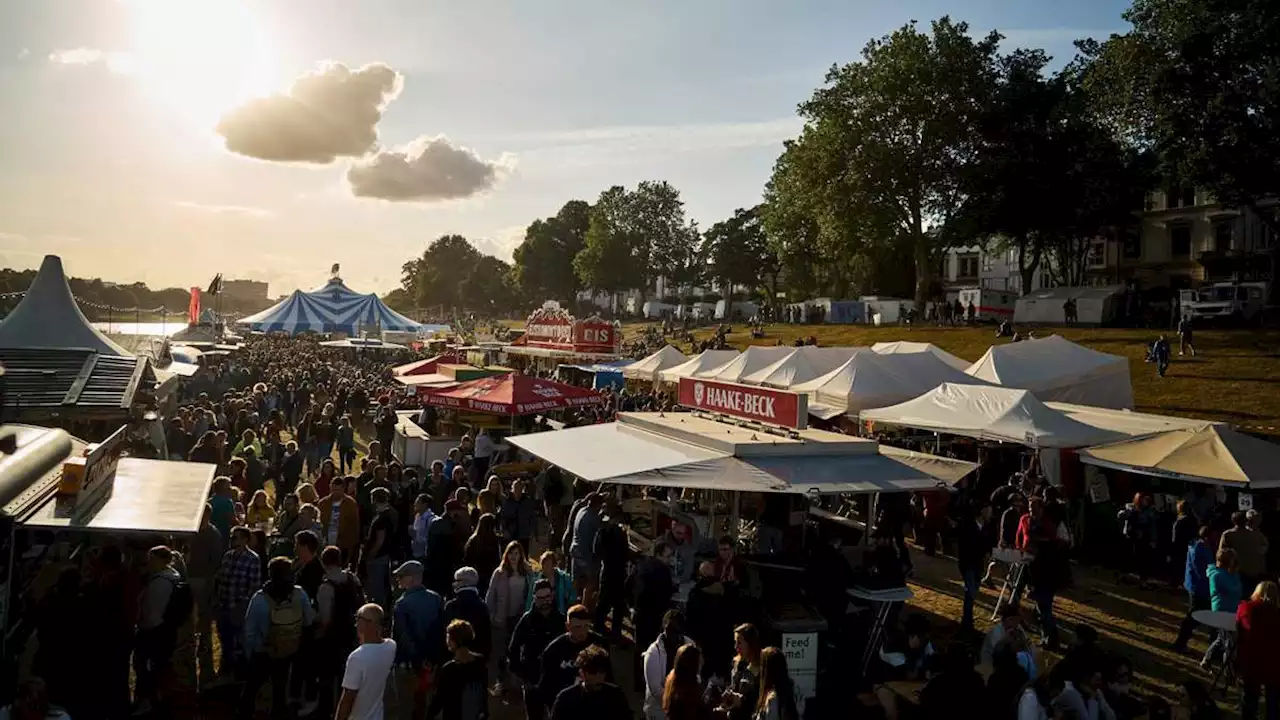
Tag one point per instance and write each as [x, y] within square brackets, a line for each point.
[607, 374]
[332, 308]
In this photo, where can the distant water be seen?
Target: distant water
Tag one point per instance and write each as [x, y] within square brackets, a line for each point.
[151, 328]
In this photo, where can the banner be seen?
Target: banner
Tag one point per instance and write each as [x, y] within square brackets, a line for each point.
[193, 310]
[775, 407]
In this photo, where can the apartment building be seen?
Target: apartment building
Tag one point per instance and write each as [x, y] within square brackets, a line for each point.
[969, 267]
[1186, 238]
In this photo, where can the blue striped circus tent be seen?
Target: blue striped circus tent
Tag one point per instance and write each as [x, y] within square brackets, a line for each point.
[332, 308]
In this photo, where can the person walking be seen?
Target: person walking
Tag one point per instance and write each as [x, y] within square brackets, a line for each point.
[682, 696]
[519, 514]
[467, 604]
[1196, 582]
[381, 545]
[278, 616]
[659, 662]
[972, 549]
[510, 584]
[1258, 623]
[417, 624]
[532, 634]
[159, 615]
[592, 697]
[777, 699]
[1224, 596]
[238, 578]
[612, 552]
[339, 598]
[364, 681]
[1250, 547]
[462, 682]
[1185, 337]
[203, 558]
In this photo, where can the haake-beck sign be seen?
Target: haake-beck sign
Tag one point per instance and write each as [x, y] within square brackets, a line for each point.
[775, 407]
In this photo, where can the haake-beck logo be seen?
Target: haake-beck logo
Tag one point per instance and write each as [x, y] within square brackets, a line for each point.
[699, 392]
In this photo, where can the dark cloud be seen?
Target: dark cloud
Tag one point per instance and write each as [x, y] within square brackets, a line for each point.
[329, 113]
[429, 169]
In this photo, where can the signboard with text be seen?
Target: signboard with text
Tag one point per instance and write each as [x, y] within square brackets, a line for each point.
[748, 402]
[555, 328]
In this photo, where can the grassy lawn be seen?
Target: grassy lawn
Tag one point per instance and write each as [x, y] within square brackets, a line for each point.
[1235, 378]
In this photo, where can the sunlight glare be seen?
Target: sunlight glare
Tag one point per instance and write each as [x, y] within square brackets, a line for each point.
[200, 58]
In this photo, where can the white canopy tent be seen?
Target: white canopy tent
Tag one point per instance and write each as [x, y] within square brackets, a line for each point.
[650, 368]
[991, 413]
[48, 317]
[907, 347]
[800, 365]
[1055, 368]
[698, 365]
[870, 380]
[1128, 422]
[753, 359]
[683, 450]
[1217, 455]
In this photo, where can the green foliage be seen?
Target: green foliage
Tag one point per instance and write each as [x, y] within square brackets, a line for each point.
[544, 261]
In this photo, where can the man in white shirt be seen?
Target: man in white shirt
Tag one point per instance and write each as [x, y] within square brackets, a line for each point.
[365, 680]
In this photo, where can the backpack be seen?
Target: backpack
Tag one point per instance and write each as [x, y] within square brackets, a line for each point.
[348, 596]
[182, 601]
[284, 636]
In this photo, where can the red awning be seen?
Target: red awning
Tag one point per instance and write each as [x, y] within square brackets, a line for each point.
[512, 394]
[424, 367]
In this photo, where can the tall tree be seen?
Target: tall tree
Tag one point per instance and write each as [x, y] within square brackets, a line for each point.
[890, 137]
[738, 252]
[434, 278]
[662, 234]
[608, 261]
[544, 261]
[486, 286]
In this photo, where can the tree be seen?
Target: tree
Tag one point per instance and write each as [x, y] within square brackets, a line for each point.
[662, 235]
[544, 261]
[1195, 81]
[738, 252]
[887, 141]
[608, 260]
[434, 278]
[486, 288]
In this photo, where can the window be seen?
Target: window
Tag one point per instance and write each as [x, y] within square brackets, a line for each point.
[1046, 280]
[1223, 232]
[1188, 194]
[967, 265]
[1133, 243]
[1180, 241]
[1097, 254]
[988, 262]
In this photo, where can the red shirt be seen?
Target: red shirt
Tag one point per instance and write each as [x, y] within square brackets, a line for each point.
[1025, 540]
[1259, 633]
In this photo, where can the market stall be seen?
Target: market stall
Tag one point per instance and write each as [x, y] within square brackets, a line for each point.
[553, 337]
[496, 403]
[698, 365]
[596, 376]
[743, 463]
[1055, 368]
[650, 369]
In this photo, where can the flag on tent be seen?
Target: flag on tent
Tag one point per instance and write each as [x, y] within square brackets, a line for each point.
[193, 311]
[215, 285]
[333, 271]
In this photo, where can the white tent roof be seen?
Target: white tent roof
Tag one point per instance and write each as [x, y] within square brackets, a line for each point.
[907, 347]
[991, 413]
[1128, 422]
[1215, 454]
[870, 379]
[683, 451]
[699, 365]
[753, 359]
[48, 317]
[651, 367]
[1055, 368]
[800, 365]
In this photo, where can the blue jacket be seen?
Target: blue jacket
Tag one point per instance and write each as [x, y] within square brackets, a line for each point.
[416, 626]
[561, 589]
[1224, 589]
[1196, 577]
[257, 620]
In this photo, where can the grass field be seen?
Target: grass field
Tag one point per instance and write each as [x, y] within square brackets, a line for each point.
[1235, 377]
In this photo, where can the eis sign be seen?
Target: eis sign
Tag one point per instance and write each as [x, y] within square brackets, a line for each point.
[775, 407]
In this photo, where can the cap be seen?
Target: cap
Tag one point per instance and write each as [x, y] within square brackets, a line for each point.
[412, 567]
[465, 576]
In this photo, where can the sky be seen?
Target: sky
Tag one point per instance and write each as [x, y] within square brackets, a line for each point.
[163, 141]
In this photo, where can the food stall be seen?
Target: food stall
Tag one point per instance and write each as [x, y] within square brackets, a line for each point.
[554, 337]
[92, 497]
[744, 453]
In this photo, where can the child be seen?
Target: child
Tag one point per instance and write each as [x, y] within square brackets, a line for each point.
[1224, 596]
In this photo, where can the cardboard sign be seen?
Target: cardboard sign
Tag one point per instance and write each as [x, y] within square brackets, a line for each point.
[1245, 502]
[1099, 492]
[775, 407]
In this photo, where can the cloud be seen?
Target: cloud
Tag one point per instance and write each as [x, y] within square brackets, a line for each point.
[329, 113]
[244, 210]
[502, 244]
[429, 169]
[116, 62]
[599, 145]
[24, 53]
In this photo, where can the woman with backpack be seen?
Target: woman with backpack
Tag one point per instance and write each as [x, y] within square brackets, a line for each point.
[278, 615]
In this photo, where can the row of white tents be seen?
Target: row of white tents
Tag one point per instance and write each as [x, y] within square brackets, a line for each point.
[840, 380]
[1043, 393]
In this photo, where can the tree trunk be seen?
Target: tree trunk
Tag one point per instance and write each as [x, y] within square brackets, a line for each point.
[1027, 273]
[924, 271]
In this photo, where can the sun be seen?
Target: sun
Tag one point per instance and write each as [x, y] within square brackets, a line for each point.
[200, 58]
